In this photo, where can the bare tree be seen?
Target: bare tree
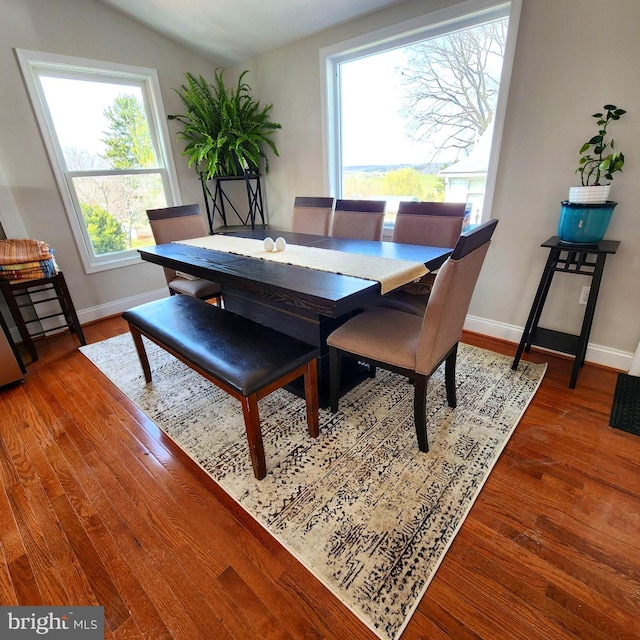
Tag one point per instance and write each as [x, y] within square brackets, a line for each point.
[452, 84]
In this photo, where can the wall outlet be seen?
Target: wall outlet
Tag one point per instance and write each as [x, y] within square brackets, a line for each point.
[584, 295]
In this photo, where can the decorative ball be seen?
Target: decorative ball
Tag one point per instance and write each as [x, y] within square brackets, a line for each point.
[269, 244]
[281, 244]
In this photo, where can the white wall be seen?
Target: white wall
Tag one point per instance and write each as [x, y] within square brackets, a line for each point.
[571, 58]
[87, 29]
[564, 70]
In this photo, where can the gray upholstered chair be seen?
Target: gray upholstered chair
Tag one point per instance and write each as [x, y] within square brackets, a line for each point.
[435, 224]
[414, 346]
[182, 223]
[362, 219]
[312, 215]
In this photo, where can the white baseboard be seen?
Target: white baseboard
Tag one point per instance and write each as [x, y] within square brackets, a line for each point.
[118, 306]
[597, 354]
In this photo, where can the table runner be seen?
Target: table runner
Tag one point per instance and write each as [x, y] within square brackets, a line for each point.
[390, 273]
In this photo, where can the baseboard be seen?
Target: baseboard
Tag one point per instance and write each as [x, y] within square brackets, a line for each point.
[92, 314]
[596, 354]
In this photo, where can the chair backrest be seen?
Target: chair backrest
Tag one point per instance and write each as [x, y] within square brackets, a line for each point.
[176, 223]
[312, 215]
[450, 297]
[362, 219]
[435, 224]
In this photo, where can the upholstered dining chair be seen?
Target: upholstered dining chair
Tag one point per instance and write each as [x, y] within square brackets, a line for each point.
[435, 224]
[182, 222]
[411, 345]
[312, 215]
[362, 219]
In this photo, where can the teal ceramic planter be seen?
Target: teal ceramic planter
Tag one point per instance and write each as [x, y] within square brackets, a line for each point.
[584, 223]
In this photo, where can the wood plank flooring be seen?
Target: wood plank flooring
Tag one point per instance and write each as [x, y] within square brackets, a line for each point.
[99, 507]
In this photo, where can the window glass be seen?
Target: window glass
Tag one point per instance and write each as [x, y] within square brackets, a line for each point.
[411, 117]
[106, 140]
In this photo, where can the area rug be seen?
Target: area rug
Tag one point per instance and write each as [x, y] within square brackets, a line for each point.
[366, 512]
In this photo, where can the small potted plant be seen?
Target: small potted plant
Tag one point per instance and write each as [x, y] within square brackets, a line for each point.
[585, 216]
[599, 160]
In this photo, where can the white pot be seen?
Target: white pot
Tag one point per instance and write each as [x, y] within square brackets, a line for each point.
[589, 195]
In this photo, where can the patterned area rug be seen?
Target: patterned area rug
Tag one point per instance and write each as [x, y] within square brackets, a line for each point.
[360, 507]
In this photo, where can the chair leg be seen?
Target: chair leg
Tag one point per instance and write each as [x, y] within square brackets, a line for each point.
[311, 397]
[142, 353]
[450, 376]
[335, 359]
[254, 435]
[420, 411]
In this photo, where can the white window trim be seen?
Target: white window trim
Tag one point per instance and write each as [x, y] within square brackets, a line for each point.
[147, 78]
[432, 24]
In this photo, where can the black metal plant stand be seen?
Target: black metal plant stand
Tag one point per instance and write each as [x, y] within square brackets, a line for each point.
[566, 258]
[218, 203]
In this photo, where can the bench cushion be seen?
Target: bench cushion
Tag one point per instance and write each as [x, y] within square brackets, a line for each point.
[244, 354]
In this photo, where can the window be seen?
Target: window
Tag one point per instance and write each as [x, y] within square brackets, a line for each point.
[412, 111]
[105, 133]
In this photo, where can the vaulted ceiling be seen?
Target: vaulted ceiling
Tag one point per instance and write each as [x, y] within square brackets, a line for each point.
[232, 31]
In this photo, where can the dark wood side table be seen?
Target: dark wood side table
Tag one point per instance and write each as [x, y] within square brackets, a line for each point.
[582, 259]
[17, 295]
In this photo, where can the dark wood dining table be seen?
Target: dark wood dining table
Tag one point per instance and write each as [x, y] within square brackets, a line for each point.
[305, 303]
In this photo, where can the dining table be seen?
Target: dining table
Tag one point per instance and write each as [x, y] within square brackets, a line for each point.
[306, 303]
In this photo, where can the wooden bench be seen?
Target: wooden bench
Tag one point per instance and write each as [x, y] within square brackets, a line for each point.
[242, 357]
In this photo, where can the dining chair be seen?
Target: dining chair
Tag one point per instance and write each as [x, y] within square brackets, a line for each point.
[182, 222]
[435, 224]
[312, 215]
[412, 346]
[361, 219]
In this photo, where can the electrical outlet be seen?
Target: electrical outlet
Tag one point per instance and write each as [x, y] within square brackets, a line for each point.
[584, 295]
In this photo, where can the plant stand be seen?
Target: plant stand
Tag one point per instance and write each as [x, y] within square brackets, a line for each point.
[566, 258]
[218, 202]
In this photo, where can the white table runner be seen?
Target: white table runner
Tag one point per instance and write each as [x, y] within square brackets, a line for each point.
[390, 273]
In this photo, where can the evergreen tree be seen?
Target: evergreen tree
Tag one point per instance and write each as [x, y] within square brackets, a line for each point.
[128, 141]
[105, 232]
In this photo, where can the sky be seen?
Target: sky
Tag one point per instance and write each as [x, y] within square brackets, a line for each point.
[77, 108]
[373, 132]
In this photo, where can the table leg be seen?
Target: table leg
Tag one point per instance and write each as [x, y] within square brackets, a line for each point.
[536, 307]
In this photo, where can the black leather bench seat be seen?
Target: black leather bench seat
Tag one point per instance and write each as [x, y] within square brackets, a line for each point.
[242, 357]
[244, 354]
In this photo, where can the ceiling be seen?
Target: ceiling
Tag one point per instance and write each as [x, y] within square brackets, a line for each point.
[229, 32]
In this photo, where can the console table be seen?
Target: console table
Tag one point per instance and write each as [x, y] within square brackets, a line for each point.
[586, 260]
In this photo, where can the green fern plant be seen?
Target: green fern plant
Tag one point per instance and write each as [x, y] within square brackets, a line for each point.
[226, 130]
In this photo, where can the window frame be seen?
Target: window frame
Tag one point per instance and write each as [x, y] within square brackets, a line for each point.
[32, 63]
[457, 16]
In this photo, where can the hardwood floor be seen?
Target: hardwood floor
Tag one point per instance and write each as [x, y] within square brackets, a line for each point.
[99, 507]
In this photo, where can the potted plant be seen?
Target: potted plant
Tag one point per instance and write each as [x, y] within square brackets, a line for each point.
[585, 216]
[226, 130]
[599, 160]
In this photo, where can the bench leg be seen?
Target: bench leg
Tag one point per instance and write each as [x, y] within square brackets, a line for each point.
[142, 354]
[311, 397]
[254, 435]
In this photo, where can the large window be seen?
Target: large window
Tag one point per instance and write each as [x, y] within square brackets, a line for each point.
[105, 132]
[412, 111]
